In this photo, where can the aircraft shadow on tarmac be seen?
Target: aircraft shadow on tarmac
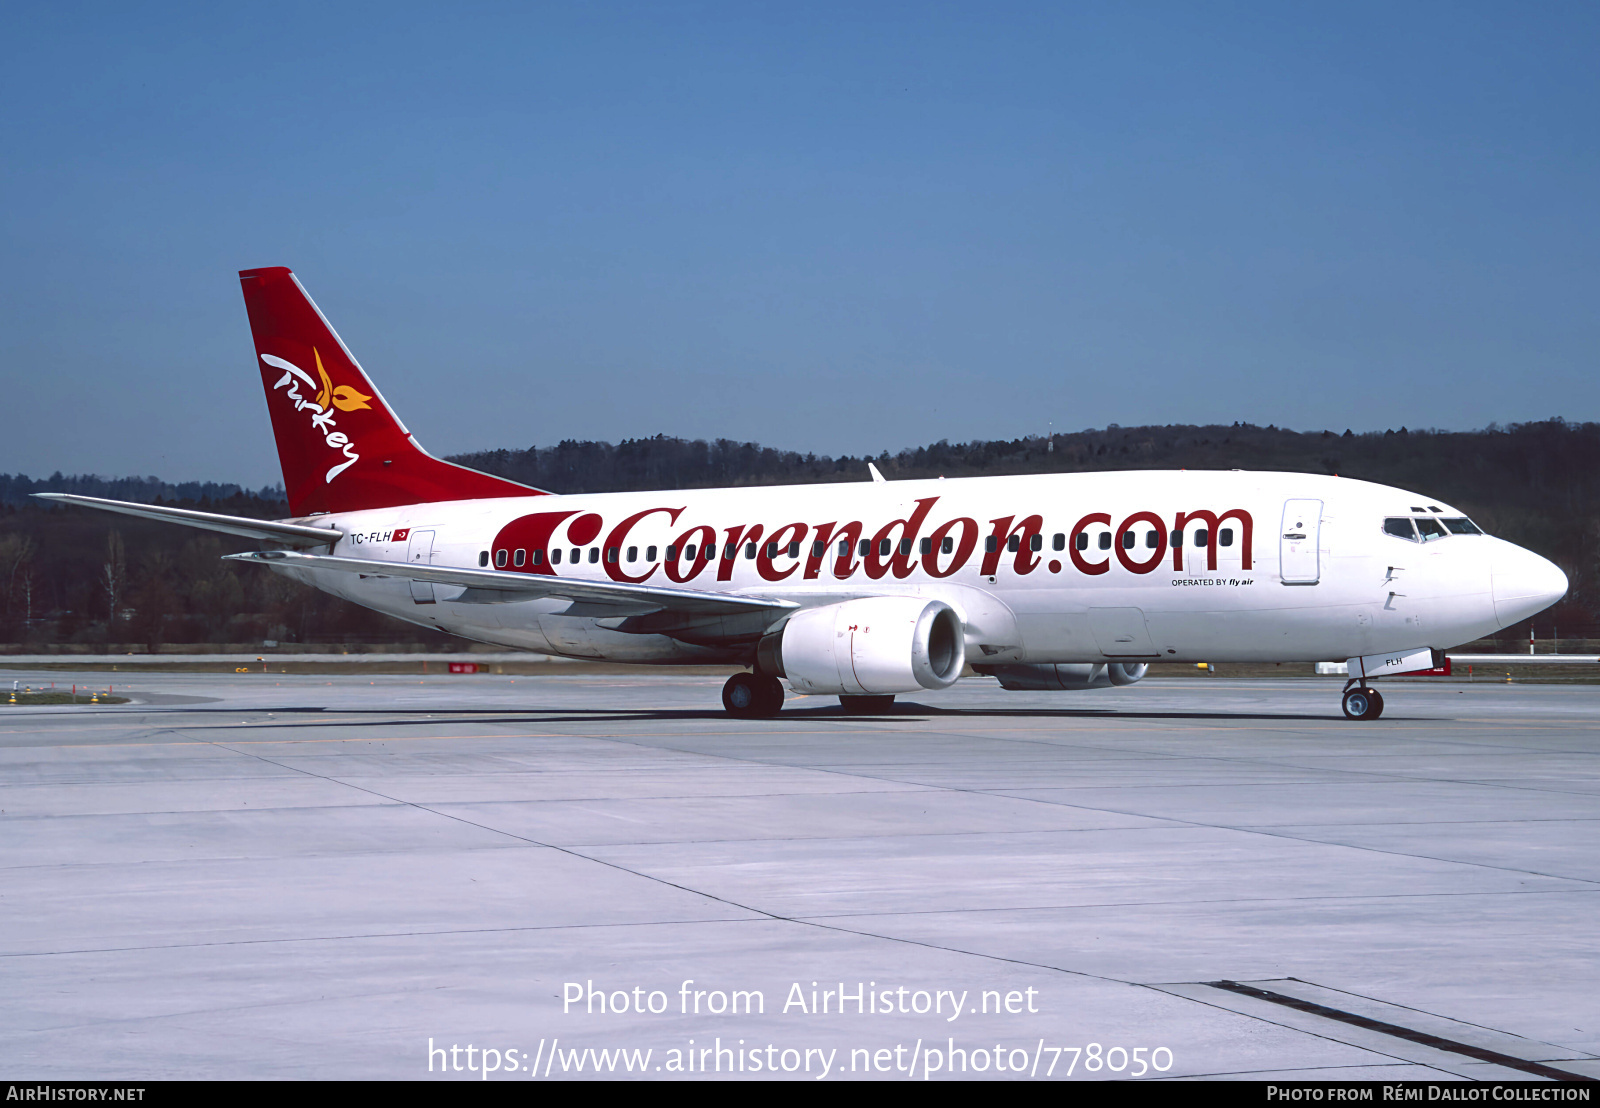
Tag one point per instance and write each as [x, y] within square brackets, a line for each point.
[908, 713]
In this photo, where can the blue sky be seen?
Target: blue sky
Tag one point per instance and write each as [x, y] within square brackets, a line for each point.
[836, 228]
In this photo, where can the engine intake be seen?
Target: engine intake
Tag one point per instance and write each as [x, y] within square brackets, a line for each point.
[871, 646]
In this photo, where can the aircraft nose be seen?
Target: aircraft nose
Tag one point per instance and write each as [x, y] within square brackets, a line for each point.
[1524, 584]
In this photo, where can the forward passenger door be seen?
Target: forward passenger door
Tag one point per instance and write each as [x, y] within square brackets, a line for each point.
[1299, 539]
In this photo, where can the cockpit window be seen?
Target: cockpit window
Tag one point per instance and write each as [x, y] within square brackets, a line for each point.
[1431, 529]
[1460, 525]
[1400, 527]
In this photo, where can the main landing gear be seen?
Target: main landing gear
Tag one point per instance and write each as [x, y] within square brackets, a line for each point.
[1361, 702]
[752, 695]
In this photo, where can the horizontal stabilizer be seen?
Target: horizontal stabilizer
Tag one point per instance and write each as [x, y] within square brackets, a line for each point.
[290, 534]
[616, 596]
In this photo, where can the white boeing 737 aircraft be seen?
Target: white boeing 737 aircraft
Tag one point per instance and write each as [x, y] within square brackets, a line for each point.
[863, 591]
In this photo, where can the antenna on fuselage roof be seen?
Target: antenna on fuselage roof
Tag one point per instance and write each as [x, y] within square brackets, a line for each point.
[876, 476]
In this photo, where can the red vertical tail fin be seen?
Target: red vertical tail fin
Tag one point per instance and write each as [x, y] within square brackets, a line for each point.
[341, 446]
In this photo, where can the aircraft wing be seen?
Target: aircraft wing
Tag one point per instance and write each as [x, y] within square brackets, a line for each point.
[598, 598]
[290, 534]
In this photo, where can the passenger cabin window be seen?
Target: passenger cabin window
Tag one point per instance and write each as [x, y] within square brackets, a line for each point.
[926, 546]
[1059, 542]
[672, 553]
[991, 544]
[538, 557]
[905, 546]
[483, 557]
[577, 555]
[555, 556]
[1105, 540]
[1150, 540]
[772, 550]
[1036, 542]
[649, 554]
[1400, 527]
[864, 548]
[1431, 529]
[1081, 541]
[948, 546]
[708, 552]
[594, 554]
[1013, 543]
[500, 557]
[794, 549]
[519, 557]
[1127, 540]
[818, 549]
[1461, 525]
[1225, 536]
[633, 553]
[750, 550]
[1202, 538]
[883, 548]
[844, 548]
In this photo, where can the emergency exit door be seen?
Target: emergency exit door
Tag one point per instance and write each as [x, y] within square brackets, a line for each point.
[419, 552]
[1299, 542]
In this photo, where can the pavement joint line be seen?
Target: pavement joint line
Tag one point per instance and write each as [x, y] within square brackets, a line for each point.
[1426, 1069]
[1084, 906]
[1435, 1015]
[1383, 1027]
[363, 936]
[1326, 1037]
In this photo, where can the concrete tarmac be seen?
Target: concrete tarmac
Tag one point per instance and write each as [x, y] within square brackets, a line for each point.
[270, 876]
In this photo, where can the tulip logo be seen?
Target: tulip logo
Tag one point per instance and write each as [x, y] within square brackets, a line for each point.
[345, 398]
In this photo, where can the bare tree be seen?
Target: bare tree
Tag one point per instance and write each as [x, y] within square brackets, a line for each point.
[16, 550]
[114, 578]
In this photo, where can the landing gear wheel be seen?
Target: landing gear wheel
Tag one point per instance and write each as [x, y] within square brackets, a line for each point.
[771, 694]
[867, 705]
[752, 695]
[1363, 704]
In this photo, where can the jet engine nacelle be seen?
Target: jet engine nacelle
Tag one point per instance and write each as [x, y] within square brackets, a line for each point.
[872, 646]
[1066, 678]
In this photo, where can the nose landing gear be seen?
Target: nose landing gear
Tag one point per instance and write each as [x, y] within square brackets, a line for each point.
[752, 695]
[1362, 703]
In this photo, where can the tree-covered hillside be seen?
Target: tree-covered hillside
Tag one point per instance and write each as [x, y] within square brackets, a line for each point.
[75, 575]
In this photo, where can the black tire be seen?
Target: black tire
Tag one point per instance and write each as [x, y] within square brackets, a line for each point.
[1363, 704]
[867, 705]
[771, 694]
[741, 696]
[752, 695]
